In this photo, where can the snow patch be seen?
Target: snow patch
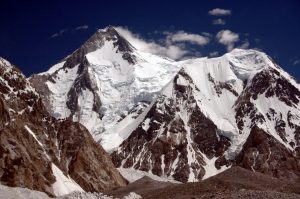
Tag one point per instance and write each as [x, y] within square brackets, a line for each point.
[20, 193]
[63, 184]
[82, 195]
[132, 175]
[210, 168]
[33, 135]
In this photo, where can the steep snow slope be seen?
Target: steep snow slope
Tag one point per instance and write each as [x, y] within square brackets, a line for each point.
[221, 82]
[120, 87]
[63, 184]
[200, 123]
[101, 82]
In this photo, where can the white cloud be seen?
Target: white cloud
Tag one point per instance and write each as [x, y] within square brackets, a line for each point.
[296, 62]
[65, 30]
[257, 49]
[182, 36]
[227, 38]
[245, 45]
[83, 27]
[171, 46]
[214, 54]
[61, 32]
[219, 22]
[219, 12]
[206, 34]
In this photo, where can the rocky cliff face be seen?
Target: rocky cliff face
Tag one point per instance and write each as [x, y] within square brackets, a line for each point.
[38, 151]
[240, 109]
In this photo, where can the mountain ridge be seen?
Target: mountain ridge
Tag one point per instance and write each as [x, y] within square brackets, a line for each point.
[187, 120]
[200, 123]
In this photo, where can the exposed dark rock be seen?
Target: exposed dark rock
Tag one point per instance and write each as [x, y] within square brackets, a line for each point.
[263, 153]
[164, 147]
[25, 159]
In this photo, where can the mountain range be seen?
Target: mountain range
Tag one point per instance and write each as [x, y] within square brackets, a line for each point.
[178, 121]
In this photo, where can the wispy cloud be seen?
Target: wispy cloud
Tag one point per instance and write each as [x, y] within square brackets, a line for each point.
[214, 54]
[219, 22]
[206, 34]
[59, 33]
[245, 45]
[219, 12]
[182, 36]
[83, 27]
[173, 45]
[296, 62]
[227, 38]
[65, 30]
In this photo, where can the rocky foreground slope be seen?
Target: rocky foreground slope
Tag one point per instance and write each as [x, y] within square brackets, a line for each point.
[234, 183]
[42, 153]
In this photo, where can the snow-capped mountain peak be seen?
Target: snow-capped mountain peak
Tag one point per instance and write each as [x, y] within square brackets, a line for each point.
[102, 81]
[107, 38]
[118, 43]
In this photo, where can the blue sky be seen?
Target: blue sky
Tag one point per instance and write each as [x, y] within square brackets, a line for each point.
[37, 34]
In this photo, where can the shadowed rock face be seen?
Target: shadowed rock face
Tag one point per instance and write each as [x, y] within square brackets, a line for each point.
[82, 82]
[263, 153]
[26, 158]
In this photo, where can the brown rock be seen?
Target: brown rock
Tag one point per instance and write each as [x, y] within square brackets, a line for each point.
[25, 160]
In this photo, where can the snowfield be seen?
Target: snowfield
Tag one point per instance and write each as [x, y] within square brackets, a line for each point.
[80, 195]
[24, 193]
[132, 175]
[20, 193]
[63, 185]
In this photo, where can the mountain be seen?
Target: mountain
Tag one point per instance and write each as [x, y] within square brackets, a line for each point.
[181, 120]
[237, 109]
[39, 152]
[104, 85]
